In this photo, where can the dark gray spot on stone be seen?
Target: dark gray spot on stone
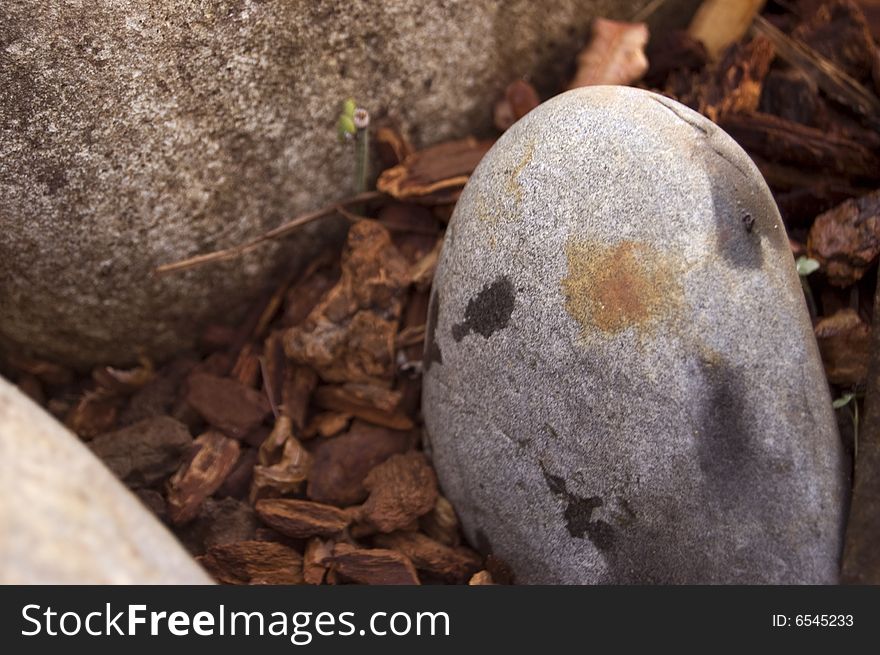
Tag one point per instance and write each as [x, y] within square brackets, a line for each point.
[489, 311]
[433, 353]
[727, 457]
[579, 514]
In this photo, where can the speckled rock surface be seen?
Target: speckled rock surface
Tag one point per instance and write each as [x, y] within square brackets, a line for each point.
[134, 134]
[622, 384]
[64, 518]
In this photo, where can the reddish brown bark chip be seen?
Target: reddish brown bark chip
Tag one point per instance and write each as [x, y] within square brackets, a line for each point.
[315, 561]
[481, 578]
[376, 566]
[615, 55]
[372, 403]
[349, 335]
[213, 458]
[49, 373]
[298, 384]
[327, 424]
[284, 476]
[392, 146]
[453, 565]
[839, 32]
[254, 562]
[94, 414]
[402, 489]
[219, 522]
[247, 367]
[430, 174]
[144, 453]
[845, 343]
[519, 99]
[846, 239]
[304, 295]
[341, 463]
[778, 140]
[238, 482]
[302, 518]
[226, 404]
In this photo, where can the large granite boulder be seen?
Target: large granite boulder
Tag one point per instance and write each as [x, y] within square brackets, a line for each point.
[65, 519]
[137, 133]
[621, 379]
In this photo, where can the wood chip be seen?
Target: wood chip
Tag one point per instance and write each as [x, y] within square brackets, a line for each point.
[349, 335]
[238, 482]
[213, 458]
[342, 463]
[430, 175]
[226, 404]
[219, 522]
[845, 342]
[519, 99]
[316, 560]
[734, 85]
[393, 148]
[376, 566]
[158, 396]
[481, 578]
[247, 367]
[327, 424]
[673, 51]
[719, 23]
[49, 373]
[297, 387]
[284, 464]
[615, 55]
[828, 77]
[302, 519]
[254, 562]
[124, 381]
[449, 564]
[371, 403]
[93, 414]
[145, 453]
[846, 240]
[839, 32]
[402, 489]
[441, 523]
[304, 295]
[777, 139]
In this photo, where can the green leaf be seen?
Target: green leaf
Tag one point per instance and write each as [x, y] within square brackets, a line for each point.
[806, 265]
[843, 401]
[345, 127]
[348, 108]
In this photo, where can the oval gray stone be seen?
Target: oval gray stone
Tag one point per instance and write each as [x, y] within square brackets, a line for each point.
[65, 519]
[135, 134]
[621, 379]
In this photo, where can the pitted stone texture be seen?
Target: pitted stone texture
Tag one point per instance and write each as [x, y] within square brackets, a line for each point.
[65, 519]
[138, 133]
[622, 384]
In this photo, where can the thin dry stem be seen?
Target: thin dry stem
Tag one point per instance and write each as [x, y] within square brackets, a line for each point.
[275, 233]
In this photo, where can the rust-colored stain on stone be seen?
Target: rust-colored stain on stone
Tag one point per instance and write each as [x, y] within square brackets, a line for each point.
[611, 288]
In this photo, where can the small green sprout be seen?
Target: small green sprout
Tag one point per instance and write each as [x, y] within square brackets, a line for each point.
[345, 127]
[843, 401]
[806, 265]
[354, 122]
